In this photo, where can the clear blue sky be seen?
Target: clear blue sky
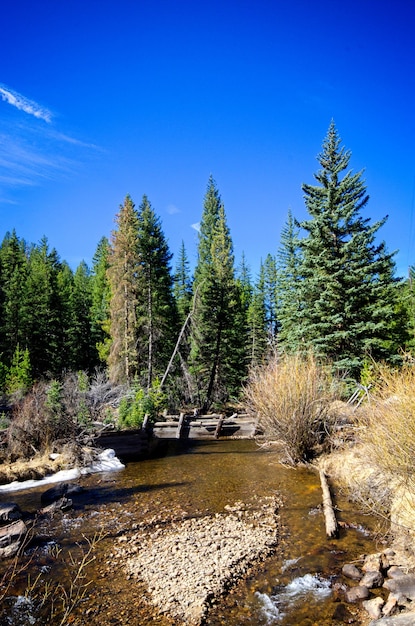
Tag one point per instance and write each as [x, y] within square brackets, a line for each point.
[100, 98]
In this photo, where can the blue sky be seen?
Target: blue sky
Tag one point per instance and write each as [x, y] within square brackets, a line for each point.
[100, 98]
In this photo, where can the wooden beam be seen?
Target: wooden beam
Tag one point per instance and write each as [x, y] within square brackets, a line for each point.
[180, 426]
[219, 426]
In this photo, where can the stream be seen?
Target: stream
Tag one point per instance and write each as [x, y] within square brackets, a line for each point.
[294, 587]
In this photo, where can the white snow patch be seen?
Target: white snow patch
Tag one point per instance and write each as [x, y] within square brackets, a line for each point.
[21, 612]
[106, 462]
[59, 477]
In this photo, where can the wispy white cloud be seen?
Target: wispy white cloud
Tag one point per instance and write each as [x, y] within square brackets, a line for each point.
[196, 226]
[14, 181]
[73, 141]
[7, 201]
[172, 209]
[32, 153]
[26, 158]
[24, 104]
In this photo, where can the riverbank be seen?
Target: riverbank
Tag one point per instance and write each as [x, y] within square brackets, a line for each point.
[386, 496]
[49, 471]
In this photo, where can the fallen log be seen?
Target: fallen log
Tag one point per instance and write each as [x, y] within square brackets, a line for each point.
[332, 529]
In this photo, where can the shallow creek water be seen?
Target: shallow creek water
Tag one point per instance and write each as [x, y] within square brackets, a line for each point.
[296, 586]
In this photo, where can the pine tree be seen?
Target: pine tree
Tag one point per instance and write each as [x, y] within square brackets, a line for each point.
[13, 275]
[69, 350]
[84, 354]
[257, 322]
[156, 312]
[347, 286]
[42, 306]
[123, 274]
[253, 308]
[183, 285]
[101, 298]
[218, 356]
[245, 282]
[270, 291]
[18, 378]
[408, 297]
[289, 271]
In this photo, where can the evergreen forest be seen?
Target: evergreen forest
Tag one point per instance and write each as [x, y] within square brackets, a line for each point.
[190, 338]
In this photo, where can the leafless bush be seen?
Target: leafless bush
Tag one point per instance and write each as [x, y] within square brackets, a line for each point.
[291, 397]
[103, 395]
[40, 421]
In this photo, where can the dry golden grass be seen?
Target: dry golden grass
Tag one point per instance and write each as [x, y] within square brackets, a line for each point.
[33, 469]
[291, 397]
[379, 470]
[361, 480]
[387, 423]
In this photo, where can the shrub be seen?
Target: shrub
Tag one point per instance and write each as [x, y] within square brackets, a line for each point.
[134, 407]
[291, 397]
[18, 378]
[38, 421]
[387, 422]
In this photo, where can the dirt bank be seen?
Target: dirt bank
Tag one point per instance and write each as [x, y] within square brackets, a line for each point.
[382, 495]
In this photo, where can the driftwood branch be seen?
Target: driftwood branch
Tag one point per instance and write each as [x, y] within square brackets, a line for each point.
[332, 529]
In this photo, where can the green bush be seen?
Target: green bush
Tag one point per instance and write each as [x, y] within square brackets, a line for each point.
[18, 377]
[133, 408]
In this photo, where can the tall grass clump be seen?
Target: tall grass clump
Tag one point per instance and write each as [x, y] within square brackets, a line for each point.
[291, 398]
[387, 423]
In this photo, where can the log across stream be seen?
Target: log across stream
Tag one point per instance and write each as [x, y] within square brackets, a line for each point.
[204, 483]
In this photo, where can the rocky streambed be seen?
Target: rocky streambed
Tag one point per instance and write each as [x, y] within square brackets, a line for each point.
[189, 565]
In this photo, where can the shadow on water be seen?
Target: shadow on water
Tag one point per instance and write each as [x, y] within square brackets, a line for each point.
[177, 447]
[107, 494]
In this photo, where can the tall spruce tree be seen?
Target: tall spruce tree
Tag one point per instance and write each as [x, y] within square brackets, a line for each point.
[13, 276]
[101, 298]
[257, 322]
[156, 311]
[182, 284]
[69, 351]
[44, 325]
[269, 282]
[84, 352]
[289, 271]
[407, 302]
[253, 308]
[347, 286]
[218, 356]
[123, 274]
